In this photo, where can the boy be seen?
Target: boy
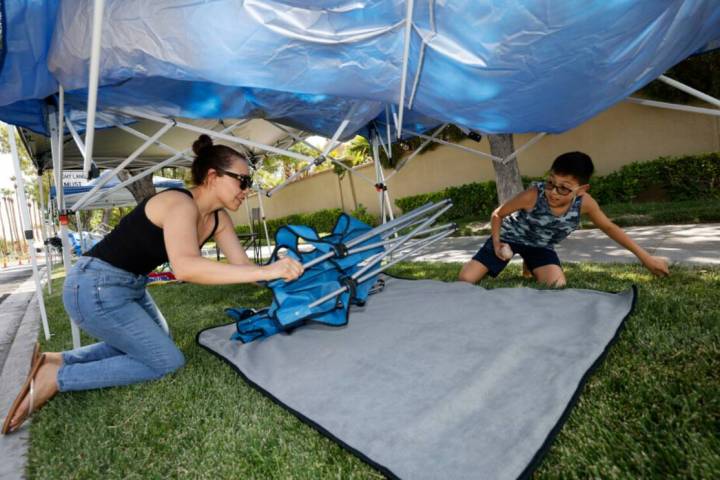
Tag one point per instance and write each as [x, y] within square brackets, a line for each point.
[531, 223]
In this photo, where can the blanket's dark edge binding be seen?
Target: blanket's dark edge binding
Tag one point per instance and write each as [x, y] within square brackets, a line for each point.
[384, 470]
[535, 462]
[539, 455]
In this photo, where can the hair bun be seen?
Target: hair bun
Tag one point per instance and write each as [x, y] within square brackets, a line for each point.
[202, 143]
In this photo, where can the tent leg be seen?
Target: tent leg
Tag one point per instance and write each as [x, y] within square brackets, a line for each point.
[262, 217]
[43, 225]
[56, 127]
[379, 185]
[25, 217]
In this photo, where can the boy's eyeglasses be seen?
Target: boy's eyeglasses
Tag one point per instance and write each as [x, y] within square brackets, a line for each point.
[559, 189]
[245, 180]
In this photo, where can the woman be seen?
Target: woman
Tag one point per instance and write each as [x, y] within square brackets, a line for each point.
[105, 295]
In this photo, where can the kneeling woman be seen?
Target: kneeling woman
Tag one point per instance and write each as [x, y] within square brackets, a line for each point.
[105, 295]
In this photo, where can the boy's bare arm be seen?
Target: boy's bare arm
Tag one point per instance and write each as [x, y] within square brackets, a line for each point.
[523, 200]
[656, 265]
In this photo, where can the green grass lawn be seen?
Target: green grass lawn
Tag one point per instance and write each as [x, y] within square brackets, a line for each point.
[652, 410]
[628, 215]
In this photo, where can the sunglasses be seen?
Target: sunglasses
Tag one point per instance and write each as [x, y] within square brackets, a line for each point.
[559, 189]
[245, 181]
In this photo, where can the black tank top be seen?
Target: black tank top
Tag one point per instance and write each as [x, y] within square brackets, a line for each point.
[136, 244]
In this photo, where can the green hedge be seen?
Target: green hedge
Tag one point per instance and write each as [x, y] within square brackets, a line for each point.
[322, 220]
[666, 178]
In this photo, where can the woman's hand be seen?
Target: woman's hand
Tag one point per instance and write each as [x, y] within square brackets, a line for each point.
[286, 268]
[658, 266]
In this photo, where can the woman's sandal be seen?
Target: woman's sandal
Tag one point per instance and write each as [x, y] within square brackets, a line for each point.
[35, 356]
[27, 388]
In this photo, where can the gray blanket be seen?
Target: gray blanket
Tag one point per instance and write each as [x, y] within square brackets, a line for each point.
[438, 380]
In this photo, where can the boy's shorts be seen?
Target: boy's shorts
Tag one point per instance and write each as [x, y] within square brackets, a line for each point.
[534, 257]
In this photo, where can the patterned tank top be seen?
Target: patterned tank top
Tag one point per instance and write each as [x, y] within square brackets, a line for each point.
[540, 227]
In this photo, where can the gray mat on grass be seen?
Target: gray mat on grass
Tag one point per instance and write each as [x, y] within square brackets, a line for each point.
[438, 380]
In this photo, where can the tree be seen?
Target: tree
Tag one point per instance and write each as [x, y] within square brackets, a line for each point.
[141, 188]
[507, 175]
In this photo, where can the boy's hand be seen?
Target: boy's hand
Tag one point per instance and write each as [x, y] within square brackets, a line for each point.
[658, 266]
[503, 251]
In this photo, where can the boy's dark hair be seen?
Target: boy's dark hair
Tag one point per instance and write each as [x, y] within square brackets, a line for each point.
[577, 164]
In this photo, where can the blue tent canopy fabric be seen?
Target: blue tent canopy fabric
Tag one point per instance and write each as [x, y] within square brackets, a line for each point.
[493, 66]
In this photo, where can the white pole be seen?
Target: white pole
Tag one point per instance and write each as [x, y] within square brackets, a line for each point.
[228, 138]
[674, 106]
[335, 161]
[56, 147]
[458, 146]
[418, 150]
[690, 90]
[27, 227]
[73, 132]
[529, 144]
[387, 130]
[406, 56]
[379, 186]
[262, 217]
[94, 75]
[103, 180]
[162, 164]
[48, 257]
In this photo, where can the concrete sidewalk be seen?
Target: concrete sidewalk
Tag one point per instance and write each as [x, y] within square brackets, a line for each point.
[20, 316]
[683, 244]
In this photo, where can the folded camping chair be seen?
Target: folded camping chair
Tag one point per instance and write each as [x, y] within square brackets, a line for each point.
[294, 302]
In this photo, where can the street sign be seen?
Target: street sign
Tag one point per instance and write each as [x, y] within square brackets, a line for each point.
[74, 178]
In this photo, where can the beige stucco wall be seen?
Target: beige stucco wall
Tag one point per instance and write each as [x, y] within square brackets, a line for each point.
[623, 134]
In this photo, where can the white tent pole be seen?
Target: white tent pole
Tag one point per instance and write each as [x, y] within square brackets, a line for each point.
[458, 146]
[431, 14]
[262, 217]
[103, 180]
[75, 135]
[379, 186]
[56, 147]
[387, 130]
[43, 225]
[529, 144]
[291, 178]
[143, 136]
[339, 131]
[335, 161]
[405, 59]
[323, 155]
[418, 150]
[395, 120]
[386, 149]
[386, 192]
[377, 259]
[160, 165]
[690, 90]
[27, 227]
[94, 75]
[673, 106]
[221, 136]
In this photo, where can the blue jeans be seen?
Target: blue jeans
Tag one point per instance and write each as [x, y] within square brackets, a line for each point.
[112, 305]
